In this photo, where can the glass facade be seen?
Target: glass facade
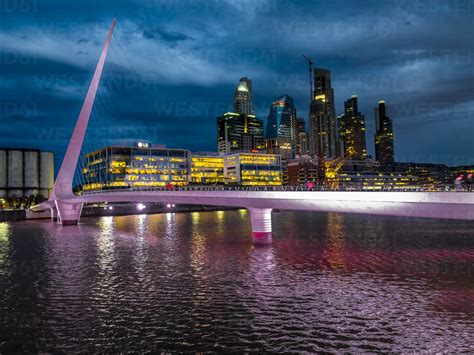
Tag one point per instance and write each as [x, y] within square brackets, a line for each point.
[352, 131]
[207, 169]
[367, 180]
[253, 169]
[239, 133]
[322, 117]
[282, 127]
[121, 167]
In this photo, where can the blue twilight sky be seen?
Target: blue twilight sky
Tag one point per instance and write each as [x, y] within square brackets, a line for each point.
[173, 66]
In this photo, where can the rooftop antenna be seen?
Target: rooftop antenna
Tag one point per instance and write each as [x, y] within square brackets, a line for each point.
[311, 98]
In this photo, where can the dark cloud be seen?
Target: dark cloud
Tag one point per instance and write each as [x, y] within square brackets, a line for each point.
[170, 37]
[173, 66]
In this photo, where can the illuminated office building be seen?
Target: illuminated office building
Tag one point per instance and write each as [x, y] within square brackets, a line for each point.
[243, 97]
[238, 132]
[253, 169]
[207, 168]
[282, 128]
[366, 175]
[384, 151]
[138, 166]
[341, 132]
[352, 131]
[301, 138]
[322, 117]
[355, 174]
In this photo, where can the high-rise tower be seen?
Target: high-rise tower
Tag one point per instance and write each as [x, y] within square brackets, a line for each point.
[302, 137]
[243, 97]
[384, 151]
[281, 126]
[238, 132]
[352, 131]
[322, 117]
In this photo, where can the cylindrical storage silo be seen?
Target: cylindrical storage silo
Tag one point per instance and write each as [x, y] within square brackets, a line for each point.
[3, 173]
[46, 173]
[31, 173]
[15, 173]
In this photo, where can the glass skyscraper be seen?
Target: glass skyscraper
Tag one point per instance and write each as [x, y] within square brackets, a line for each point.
[322, 117]
[282, 127]
[352, 131]
[238, 132]
[384, 151]
[243, 97]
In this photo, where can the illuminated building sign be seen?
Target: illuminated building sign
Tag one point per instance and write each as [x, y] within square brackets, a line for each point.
[142, 145]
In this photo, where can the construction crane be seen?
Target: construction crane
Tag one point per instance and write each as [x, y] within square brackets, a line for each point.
[331, 169]
[310, 62]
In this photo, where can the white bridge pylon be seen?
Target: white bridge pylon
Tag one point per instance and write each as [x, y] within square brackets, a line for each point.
[69, 213]
[67, 207]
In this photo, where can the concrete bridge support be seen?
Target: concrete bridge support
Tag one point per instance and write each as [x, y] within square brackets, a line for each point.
[54, 214]
[69, 213]
[261, 219]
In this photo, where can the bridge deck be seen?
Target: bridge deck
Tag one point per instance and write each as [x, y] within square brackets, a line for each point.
[451, 205]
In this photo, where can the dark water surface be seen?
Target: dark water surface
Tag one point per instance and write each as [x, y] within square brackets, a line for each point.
[189, 282]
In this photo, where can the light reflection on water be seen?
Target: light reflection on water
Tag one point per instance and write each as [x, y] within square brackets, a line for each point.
[191, 282]
[4, 245]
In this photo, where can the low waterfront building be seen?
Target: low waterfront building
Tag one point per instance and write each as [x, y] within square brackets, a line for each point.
[253, 169]
[26, 175]
[302, 170]
[207, 168]
[369, 174]
[429, 174]
[356, 174]
[370, 180]
[139, 166]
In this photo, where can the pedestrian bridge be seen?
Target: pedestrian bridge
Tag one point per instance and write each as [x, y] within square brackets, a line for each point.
[261, 202]
[67, 207]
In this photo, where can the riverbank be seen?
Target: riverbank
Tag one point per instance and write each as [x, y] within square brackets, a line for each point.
[12, 215]
[115, 210]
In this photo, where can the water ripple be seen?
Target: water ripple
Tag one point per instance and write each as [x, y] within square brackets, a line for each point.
[179, 282]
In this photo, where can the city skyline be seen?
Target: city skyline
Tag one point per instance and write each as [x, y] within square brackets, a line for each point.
[47, 70]
[168, 185]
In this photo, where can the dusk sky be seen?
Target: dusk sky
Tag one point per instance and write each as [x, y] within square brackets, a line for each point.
[174, 64]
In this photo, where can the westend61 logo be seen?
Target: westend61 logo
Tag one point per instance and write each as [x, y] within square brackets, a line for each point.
[436, 5]
[18, 6]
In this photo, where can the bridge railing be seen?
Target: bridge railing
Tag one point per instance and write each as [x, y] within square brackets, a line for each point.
[437, 188]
